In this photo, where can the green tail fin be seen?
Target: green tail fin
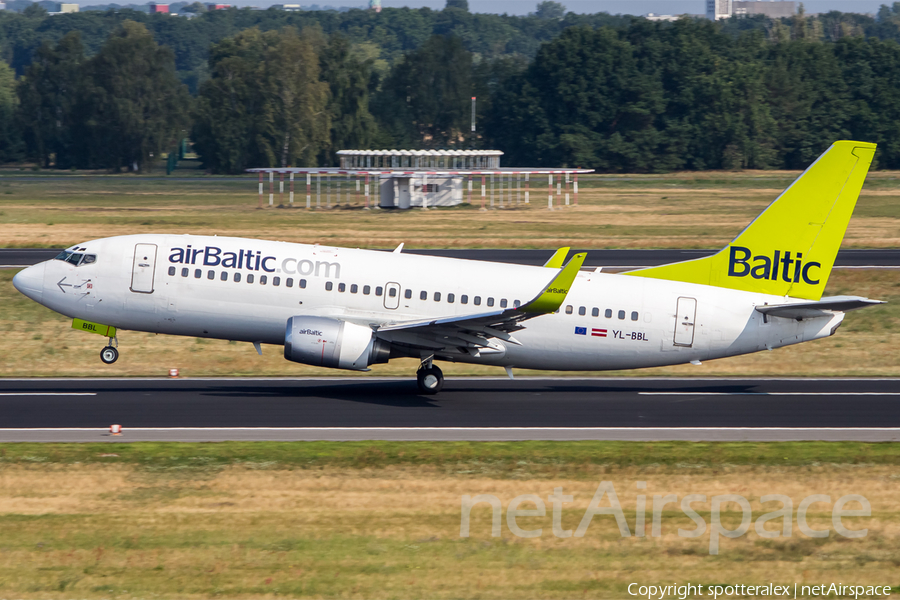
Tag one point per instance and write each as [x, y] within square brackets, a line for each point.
[790, 248]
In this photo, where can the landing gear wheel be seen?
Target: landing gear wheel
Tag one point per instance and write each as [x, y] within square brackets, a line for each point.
[109, 355]
[430, 380]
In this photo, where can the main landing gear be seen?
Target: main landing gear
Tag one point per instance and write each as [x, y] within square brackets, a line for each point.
[429, 377]
[110, 354]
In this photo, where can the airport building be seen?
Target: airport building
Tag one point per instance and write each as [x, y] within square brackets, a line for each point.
[724, 9]
[405, 179]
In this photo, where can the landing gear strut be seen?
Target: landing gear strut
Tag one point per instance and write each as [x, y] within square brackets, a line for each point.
[429, 377]
[110, 354]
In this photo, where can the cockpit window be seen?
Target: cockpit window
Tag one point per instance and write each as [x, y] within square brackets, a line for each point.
[76, 258]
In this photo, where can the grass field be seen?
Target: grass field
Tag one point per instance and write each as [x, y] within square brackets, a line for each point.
[39, 342]
[689, 210]
[382, 520]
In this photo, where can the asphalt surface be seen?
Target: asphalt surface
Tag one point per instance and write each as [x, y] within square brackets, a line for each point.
[467, 409]
[879, 258]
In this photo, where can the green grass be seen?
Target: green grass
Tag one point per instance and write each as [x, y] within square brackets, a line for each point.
[501, 459]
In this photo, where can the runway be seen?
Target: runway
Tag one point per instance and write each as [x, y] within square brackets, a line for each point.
[612, 259]
[354, 408]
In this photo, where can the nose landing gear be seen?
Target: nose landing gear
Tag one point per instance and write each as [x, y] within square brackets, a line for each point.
[110, 354]
[429, 378]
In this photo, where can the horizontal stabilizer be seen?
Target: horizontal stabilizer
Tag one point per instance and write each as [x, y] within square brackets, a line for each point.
[822, 308]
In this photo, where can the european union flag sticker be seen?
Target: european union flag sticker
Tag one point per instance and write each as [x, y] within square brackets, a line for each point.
[581, 331]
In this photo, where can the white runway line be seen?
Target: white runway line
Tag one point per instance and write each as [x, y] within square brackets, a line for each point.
[449, 434]
[48, 393]
[769, 393]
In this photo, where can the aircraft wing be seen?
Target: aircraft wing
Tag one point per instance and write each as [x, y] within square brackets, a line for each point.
[822, 308]
[475, 333]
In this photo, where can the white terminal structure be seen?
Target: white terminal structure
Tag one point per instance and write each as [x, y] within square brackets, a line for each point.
[405, 179]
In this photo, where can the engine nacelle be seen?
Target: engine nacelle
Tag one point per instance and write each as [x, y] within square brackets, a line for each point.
[327, 342]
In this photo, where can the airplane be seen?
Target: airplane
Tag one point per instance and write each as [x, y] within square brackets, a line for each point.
[350, 308]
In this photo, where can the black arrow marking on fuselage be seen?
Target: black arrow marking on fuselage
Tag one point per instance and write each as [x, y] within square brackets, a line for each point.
[61, 284]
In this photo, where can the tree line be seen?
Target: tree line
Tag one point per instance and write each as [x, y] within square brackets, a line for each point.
[629, 96]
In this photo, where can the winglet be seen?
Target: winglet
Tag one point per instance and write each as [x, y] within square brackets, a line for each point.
[555, 293]
[559, 257]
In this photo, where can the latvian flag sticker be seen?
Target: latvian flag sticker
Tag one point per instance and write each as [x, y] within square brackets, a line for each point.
[598, 332]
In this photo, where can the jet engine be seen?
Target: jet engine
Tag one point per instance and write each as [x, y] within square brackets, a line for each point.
[327, 342]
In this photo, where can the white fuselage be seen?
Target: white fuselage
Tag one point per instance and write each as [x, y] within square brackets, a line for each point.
[187, 285]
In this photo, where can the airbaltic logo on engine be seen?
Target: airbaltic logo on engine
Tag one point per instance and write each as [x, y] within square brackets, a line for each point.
[212, 256]
[314, 332]
[765, 267]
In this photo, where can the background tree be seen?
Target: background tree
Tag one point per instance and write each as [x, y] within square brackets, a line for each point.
[134, 105]
[550, 10]
[349, 76]
[50, 93]
[264, 104]
[10, 136]
[425, 99]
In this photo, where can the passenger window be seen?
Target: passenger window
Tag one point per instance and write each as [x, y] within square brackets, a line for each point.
[367, 289]
[223, 276]
[342, 287]
[621, 314]
[392, 292]
[569, 309]
[608, 313]
[378, 290]
[634, 316]
[463, 299]
[354, 288]
[517, 304]
[263, 279]
[423, 295]
[237, 277]
[595, 312]
[407, 294]
[503, 303]
[250, 278]
[302, 284]
[477, 301]
[198, 273]
[329, 286]
[171, 271]
[490, 302]
[437, 296]
[289, 282]
[451, 298]
[210, 274]
[185, 271]
[276, 281]
[582, 311]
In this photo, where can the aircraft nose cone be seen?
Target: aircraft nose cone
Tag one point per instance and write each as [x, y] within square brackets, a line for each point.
[30, 282]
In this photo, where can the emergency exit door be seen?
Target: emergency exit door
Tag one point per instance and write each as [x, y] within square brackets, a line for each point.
[392, 295]
[144, 268]
[684, 321]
